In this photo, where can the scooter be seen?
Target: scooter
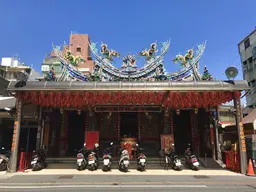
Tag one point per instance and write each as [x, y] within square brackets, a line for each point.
[81, 161]
[92, 159]
[4, 159]
[124, 160]
[38, 159]
[191, 159]
[141, 158]
[107, 159]
[175, 160]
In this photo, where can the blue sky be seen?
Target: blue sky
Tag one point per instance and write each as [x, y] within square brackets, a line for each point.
[29, 27]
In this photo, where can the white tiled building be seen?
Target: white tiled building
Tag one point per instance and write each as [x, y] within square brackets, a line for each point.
[247, 51]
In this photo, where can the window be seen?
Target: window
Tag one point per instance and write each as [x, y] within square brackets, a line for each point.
[78, 49]
[253, 83]
[247, 43]
[250, 60]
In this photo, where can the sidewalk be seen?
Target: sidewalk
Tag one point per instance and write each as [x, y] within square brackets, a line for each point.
[131, 172]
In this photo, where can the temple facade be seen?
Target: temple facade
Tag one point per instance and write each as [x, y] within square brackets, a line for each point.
[145, 105]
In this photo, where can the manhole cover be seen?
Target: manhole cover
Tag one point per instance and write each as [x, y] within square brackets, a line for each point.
[66, 177]
[201, 177]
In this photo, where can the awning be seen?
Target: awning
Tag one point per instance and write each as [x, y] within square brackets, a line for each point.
[7, 102]
[131, 86]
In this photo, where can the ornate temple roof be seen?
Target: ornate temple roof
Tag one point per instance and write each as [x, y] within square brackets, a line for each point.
[152, 69]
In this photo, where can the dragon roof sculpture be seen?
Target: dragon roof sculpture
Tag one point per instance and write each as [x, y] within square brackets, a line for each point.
[152, 70]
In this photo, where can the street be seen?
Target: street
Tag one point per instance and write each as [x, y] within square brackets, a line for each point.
[133, 183]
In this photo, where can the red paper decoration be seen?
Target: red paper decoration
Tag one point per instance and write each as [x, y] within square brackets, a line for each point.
[170, 100]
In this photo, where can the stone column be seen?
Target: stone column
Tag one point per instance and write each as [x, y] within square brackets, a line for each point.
[241, 137]
[16, 138]
[39, 128]
[219, 156]
[167, 121]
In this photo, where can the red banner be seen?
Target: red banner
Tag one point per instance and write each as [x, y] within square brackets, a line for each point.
[166, 141]
[91, 137]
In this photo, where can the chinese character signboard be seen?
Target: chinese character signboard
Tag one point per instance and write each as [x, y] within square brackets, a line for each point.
[166, 141]
[91, 137]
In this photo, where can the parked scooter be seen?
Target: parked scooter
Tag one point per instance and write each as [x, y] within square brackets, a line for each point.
[92, 159]
[4, 159]
[175, 160]
[191, 159]
[38, 159]
[107, 159]
[141, 158]
[124, 160]
[172, 159]
[82, 158]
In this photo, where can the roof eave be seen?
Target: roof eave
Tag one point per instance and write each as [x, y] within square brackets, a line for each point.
[132, 86]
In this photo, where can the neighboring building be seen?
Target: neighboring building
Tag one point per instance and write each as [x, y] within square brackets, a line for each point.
[11, 69]
[247, 51]
[79, 46]
[226, 115]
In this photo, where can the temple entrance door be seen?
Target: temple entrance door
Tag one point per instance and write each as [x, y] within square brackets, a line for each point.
[182, 131]
[129, 125]
[75, 132]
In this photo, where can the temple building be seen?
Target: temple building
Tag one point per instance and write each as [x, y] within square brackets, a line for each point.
[93, 100]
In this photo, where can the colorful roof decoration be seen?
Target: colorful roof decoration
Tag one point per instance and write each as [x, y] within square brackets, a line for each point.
[152, 70]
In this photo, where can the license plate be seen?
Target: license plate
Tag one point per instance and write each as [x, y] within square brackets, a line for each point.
[142, 160]
[126, 162]
[79, 160]
[91, 162]
[33, 162]
[196, 164]
[178, 164]
[106, 161]
[1, 160]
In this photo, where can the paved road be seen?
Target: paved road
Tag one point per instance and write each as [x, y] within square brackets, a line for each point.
[127, 183]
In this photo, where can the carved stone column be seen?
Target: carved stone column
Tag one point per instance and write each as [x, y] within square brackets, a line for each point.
[240, 130]
[16, 137]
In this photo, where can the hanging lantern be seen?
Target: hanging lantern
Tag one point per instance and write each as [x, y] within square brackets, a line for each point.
[177, 111]
[79, 112]
[196, 110]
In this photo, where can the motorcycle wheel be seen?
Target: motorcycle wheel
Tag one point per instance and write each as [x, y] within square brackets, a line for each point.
[178, 169]
[3, 167]
[81, 167]
[142, 168]
[105, 168]
[35, 167]
[125, 169]
[196, 168]
[90, 167]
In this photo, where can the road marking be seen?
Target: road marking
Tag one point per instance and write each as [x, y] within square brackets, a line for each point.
[103, 186]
